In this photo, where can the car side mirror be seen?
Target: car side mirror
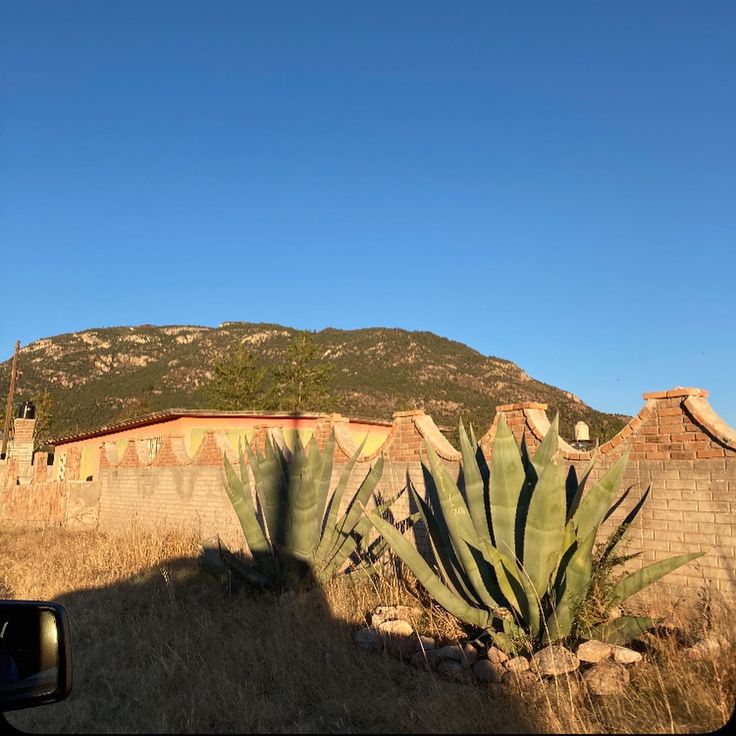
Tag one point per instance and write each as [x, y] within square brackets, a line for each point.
[35, 654]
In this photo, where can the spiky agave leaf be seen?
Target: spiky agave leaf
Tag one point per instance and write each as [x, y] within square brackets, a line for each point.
[545, 521]
[449, 566]
[347, 532]
[621, 630]
[504, 486]
[598, 500]
[423, 573]
[456, 517]
[242, 501]
[303, 526]
[622, 528]
[474, 487]
[640, 579]
[330, 532]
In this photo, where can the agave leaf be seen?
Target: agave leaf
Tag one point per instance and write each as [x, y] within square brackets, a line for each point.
[503, 641]
[243, 572]
[569, 545]
[597, 501]
[362, 527]
[647, 575]
[474, 488]
[507, 578]
[558, 623]
[574, 501]
[623, 527]
[494, 597]
[545, 522]
[459, 524]
[451, 501]
[504, 486]
[242, 502]
[304, 516]
[324, 475]
[269, 491]
[314, 463]
[353, 514]
[485, 473]
[346, 546]
[621, 630]
[548, 447]
[527, 597]
[612, 510]
[423, 573]
[352, 527]
[330, 530]
[452, 572]
[579, 572]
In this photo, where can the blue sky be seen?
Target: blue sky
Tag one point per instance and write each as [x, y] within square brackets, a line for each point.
[552, 183]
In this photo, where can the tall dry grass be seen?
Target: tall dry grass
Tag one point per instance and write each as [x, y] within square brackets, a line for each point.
[159, 648]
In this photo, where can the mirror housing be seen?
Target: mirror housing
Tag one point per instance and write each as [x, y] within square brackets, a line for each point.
[35, 654]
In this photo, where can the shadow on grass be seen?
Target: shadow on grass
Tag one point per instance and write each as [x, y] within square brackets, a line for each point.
[167, 651]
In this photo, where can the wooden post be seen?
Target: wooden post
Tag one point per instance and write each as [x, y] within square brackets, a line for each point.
[9, 405]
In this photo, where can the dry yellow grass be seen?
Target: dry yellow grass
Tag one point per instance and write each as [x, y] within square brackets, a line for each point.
[158, 648]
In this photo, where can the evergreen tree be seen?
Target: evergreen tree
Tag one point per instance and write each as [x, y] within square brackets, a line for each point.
[239, 383]
[302, 381]
[44, 403]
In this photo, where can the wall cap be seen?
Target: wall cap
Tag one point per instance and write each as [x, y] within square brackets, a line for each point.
[522, 405]
[675, 393]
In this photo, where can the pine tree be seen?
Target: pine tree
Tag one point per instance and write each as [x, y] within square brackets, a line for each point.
[44, 403]
[302, 381]
[239, 383]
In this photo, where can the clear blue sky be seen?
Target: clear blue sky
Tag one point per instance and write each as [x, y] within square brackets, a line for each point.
[552, 183]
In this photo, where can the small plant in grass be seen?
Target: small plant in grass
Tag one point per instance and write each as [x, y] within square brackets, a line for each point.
[294, 529]
[515, 553]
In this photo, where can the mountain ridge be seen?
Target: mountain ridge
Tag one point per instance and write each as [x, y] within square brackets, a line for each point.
[93, 374]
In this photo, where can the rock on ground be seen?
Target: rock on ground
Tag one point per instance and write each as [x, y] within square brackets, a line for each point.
[398, 637]
[624, 655]
[487, 671]
[606, 678]
[520, 679]
[452, 669]
[554, 660]
[466, 655]
[497, 656]
[594, 651]
[517, 664]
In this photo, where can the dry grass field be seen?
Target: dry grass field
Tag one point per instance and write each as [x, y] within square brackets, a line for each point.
[159, 648]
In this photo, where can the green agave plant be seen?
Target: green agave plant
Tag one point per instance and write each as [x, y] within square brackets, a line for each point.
[515, 552]
[296, 533]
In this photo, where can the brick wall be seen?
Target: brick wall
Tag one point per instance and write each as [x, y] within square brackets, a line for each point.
[676, 444]
[687, 454]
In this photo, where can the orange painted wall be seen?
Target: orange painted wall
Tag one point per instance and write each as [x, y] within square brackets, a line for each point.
[193, 428]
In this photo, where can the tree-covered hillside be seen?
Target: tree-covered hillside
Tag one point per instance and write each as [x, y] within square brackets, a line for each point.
[96, 375]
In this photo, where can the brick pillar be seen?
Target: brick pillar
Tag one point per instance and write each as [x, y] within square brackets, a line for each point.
[22, 449]
[23, 439]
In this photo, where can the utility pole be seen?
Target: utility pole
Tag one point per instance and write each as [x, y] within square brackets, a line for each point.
[9, 405]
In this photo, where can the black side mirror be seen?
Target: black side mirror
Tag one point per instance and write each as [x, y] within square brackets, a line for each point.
[35, 654]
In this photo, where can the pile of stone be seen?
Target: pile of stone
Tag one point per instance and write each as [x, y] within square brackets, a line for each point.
[602, 667]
